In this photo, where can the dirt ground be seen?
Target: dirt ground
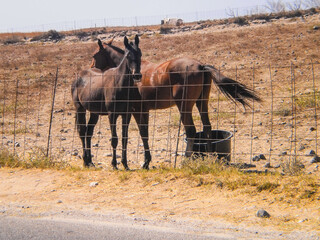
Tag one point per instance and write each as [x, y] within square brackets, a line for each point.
[275, 58]
[152, 199]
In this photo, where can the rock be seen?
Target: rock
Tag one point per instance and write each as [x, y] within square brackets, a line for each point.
[263, 213]
[303, 220]
[75, 153]
[262, 157]
[254, 171]
[17, 144]
[96, 145]
[311, 153]
[93, 184]
[277, 166]
[284, 153]
[315, 159]
[242, 165]
[312, 129]
[59, 111]
[258, 158]
[316, 27]
[267, 165]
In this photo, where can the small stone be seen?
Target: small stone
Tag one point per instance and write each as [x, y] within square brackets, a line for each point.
[311, 153]
[312, 129]
[262, 157]
[256, 159]
[93, 184]
[303, 220]
[17, 144]
[96, 145]
[59, 111]
[63, 139]
[267, 165]
[75, 153]
[60, 201]
[315, 159]
[263, 213]
[284, 153]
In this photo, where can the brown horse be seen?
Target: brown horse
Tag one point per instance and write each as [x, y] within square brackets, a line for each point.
[107, 93]
[182, 82]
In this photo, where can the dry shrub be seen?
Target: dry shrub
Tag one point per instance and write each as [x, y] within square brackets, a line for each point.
[36, 159]
[12, 40]
[50, 35]
[292, 167]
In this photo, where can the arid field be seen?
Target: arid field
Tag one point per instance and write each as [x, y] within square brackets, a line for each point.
[279, 59]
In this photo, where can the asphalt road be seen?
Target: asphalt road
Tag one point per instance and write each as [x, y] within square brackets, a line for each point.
[21, 228]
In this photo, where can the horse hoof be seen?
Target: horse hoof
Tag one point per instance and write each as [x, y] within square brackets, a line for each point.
[145, 166]
[89, 165]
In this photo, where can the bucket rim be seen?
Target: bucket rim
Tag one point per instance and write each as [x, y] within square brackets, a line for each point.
[229, 136]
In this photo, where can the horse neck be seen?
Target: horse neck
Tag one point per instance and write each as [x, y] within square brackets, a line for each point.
[115, 54]
[123, 70]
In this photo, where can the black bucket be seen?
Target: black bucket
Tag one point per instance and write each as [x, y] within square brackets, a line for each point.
[220, 144]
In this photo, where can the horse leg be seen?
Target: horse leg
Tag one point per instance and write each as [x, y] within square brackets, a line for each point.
[89, 132]
[125, 126]
[114, 139]
[142, 119]
[82, 129]
[187, 120]
[202, 105]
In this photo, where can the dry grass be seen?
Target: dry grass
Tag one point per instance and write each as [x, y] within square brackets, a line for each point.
[36, 159]
[278, 44]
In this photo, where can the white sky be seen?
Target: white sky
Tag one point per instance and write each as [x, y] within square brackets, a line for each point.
[19, 14]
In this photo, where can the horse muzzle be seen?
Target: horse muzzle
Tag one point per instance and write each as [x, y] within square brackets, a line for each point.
[137, 77]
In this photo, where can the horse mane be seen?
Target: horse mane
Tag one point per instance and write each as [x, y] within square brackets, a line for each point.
[119, 50]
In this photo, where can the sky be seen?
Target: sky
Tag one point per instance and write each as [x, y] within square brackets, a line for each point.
[28, 15]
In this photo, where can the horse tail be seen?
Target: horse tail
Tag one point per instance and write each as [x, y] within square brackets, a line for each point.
[232, 89]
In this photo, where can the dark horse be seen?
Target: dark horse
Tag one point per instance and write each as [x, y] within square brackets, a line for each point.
[182, 82]
[107, 93]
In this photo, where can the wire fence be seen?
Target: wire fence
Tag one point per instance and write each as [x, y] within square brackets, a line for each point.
[146, 20]
[38, 113]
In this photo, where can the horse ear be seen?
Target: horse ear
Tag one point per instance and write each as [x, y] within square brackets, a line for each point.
[126, 42]
[100, 44]
[110, 41]
[136, 39]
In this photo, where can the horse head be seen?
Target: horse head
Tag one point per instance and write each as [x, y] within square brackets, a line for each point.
[102, 59]
[133, 54]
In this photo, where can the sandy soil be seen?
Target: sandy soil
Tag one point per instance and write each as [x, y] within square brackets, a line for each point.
[272, 128]
[149, 197]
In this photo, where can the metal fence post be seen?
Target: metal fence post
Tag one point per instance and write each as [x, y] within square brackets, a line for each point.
[52, 107]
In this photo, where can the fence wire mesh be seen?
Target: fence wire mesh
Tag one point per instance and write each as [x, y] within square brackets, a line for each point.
[284, 127]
